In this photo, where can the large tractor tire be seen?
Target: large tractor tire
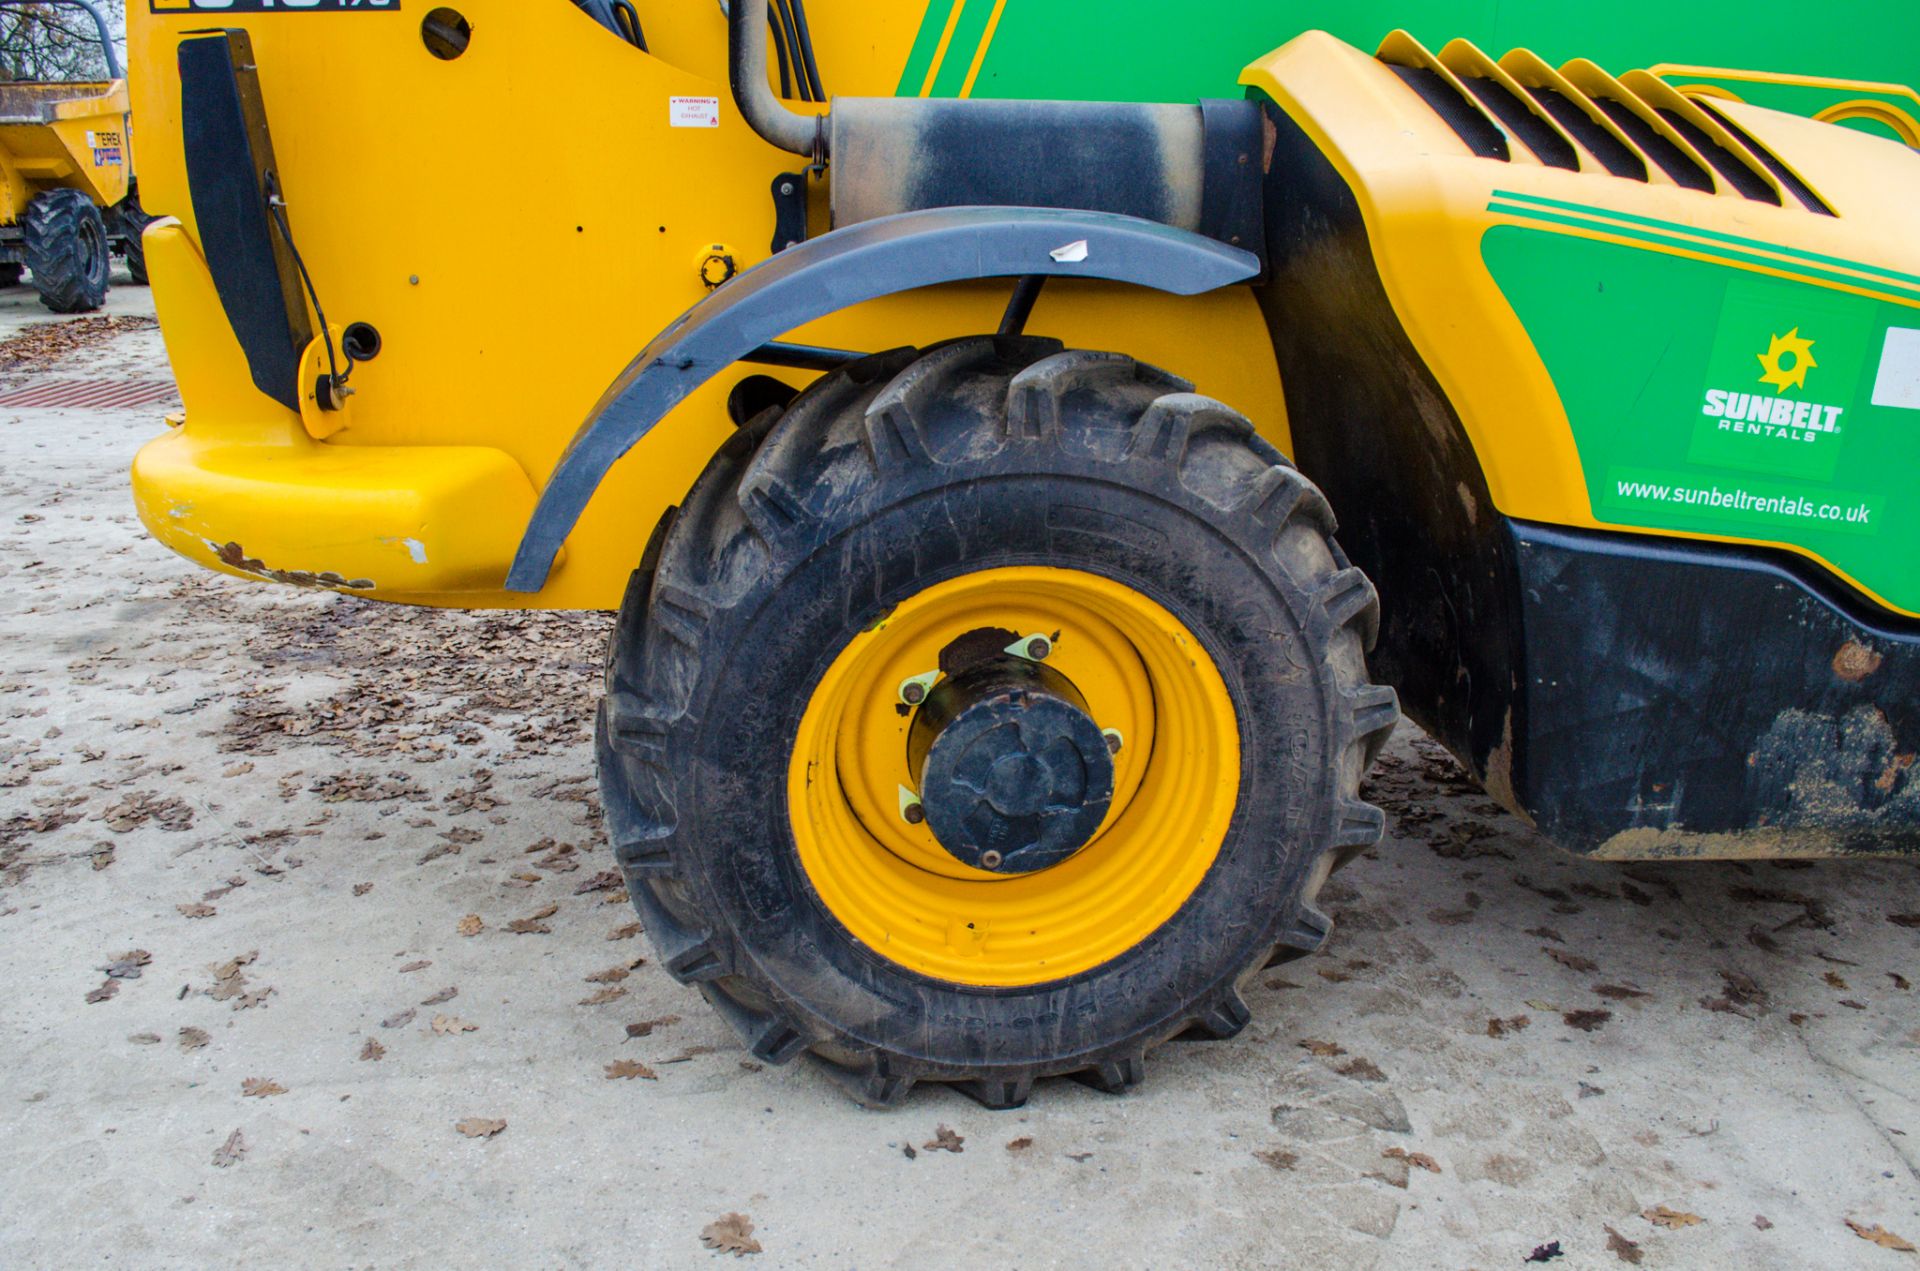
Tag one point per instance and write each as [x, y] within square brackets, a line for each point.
[66, 248]
[991, 712]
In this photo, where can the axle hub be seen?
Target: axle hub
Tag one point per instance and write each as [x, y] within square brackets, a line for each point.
[1014, 774]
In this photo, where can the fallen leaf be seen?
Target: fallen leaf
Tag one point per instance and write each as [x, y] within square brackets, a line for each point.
[628, 1069]
[611, 994]
[128, 965]
[232, 1150]
[1879, 1235]
[193, 1038]
[1571, 961]
[1618, 992]
[528, 927]
[238, 770]
[1277, 1158]
[1361, 1070]
[260, 1088]
[1323, 1049]
[1547, 933]
[197, 909]
[1622, 1248]
[627, 932]
[605, 880]
[544, 911]
[612, 975]
[145, 1039]
[480, 1127]
[944, 1140]
[1904, 920]
[1899, 981]
[1672, 1219]
[414, 966]
[361, 889]
[1546, 1252]
[1020, 1144]
[444, 995]
[1513, 1024]
[730, 1233]
[1834, 981]
[106, 990]
[445, 1024]
[646, 1026]
[1586, 1021]
[1419, 1160]
[372, 1050]
[1762, 1222]
[471, 925]
[401, 1020]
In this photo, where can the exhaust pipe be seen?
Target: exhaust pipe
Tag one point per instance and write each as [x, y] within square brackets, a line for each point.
[747, 74]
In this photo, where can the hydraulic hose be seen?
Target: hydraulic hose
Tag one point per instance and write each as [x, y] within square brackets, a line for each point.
[753, 95]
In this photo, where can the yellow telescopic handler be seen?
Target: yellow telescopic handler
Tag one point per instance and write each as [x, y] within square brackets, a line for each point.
[1036, 451]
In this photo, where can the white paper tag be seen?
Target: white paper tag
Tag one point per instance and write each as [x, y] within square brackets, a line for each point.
[1072, 254]
[693, 112]
[1898, 383]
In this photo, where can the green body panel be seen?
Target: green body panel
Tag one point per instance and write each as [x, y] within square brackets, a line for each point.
[1712, 398]
[1148, 50]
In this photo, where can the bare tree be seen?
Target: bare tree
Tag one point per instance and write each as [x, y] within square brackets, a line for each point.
[50, 43]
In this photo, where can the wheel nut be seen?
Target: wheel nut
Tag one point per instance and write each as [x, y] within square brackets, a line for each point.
[914, 694]
[991, 860]
[1038, 648]
[1114, 741]
[915, 814]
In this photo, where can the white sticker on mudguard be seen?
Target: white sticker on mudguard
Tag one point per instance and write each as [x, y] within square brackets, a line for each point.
[693, 112]
[1072, 254]
[1898, 383]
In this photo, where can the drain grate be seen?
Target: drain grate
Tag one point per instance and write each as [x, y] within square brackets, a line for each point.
[90, 394]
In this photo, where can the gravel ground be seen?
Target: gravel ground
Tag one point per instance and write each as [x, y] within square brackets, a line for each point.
[299, 896]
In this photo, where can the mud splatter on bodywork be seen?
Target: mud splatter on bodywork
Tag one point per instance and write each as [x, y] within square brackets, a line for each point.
[233, 556]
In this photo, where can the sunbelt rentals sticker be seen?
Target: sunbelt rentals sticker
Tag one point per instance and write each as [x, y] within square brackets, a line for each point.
[1781, 383]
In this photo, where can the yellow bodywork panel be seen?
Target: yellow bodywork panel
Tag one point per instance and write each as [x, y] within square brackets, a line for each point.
[395, 520]
[63, 135]
[518, 223]
[1429, 203]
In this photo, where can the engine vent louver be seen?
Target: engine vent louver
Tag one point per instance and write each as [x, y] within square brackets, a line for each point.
[1577, 117]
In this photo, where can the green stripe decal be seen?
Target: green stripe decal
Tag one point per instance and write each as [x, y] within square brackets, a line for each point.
[1671, 228]
[1723, 255]
[928, 39]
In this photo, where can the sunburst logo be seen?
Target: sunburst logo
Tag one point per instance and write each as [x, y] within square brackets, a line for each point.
[1786, 362]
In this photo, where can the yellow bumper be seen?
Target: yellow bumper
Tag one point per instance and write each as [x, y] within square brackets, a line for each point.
[390, 521]
[242, 487]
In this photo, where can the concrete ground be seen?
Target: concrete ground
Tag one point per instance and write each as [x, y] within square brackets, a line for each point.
[292, 886]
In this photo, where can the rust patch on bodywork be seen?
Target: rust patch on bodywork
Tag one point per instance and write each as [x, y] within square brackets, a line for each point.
[233, 556]
[1855, 662]
[1827, 785]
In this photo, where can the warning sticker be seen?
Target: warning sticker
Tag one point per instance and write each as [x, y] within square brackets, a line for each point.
[693, 112]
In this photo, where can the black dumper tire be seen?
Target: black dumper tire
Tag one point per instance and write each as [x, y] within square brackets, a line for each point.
[130, 221]
[66, 248]
[883, 479]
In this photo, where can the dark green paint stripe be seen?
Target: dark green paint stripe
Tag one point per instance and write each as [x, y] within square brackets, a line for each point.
[1734, 239]
[924, 43]
[1722, 256]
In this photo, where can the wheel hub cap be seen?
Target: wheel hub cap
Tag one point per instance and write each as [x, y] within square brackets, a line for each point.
[1014, 773]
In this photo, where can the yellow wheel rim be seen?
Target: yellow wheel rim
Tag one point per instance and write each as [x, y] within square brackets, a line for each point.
[1176, 781]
